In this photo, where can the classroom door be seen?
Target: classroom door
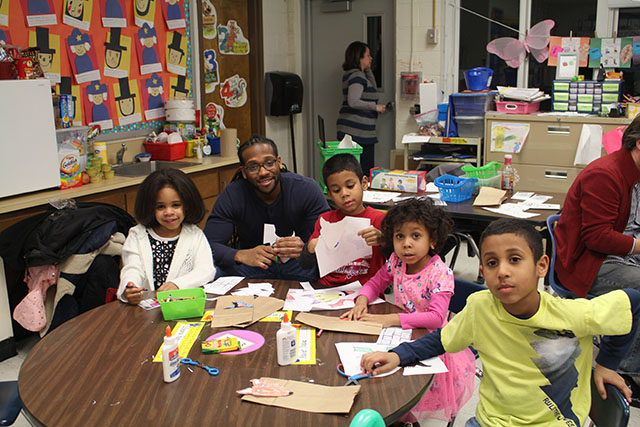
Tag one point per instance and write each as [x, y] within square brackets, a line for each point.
[371, 21]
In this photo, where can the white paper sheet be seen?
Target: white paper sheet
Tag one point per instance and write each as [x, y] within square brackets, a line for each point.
[511, 209]
[522, 195]
[534, 202]
[222, 285]
[371, 196]
[269, 237]
[431, 188]
[426, 367]
[589, 145]
[257, 289]
[351, 352]
[339, 243]
[306, 286]
[394, 336]
[337, 298]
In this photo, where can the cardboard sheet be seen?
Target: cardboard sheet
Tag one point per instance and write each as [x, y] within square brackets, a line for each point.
[309, 397]
[489, 196]
[243, 316]
[331, 323]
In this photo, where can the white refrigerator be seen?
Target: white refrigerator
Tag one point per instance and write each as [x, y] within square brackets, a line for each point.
[28, 147]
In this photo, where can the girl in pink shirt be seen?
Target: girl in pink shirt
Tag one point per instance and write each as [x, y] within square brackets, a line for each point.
[423, 286]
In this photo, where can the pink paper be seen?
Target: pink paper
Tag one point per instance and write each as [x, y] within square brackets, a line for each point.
[612, 140]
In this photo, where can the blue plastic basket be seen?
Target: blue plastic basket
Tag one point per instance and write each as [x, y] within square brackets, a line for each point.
[455, 189]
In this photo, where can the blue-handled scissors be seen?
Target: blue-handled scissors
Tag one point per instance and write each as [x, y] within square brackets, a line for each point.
[353, 379]
[188, 361]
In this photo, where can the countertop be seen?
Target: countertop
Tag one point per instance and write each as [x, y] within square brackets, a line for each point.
[25, 201]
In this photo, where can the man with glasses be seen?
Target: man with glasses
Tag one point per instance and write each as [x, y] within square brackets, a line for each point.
[265, 193]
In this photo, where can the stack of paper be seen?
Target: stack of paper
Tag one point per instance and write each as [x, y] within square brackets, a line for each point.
[522, 94]
[257, 289]
[222, 285]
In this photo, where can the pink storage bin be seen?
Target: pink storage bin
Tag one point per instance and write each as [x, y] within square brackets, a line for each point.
[514, 107]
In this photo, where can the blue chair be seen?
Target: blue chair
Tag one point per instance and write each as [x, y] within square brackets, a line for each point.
[612, 412]
[553, 281]
[10, 403]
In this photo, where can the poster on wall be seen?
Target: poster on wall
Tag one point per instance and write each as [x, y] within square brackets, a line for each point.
[144, 12]
[117, 54]
[508, 137]
[175, 53]
[127, 101]
[215, 115]
[231, 40]
[180, 87]
[173, 12]
[611, 52]
[97, 108]
[153, 98]
[82, 56]
[77, 13]
[234, 91]
[569, 45]
[49, 55]
[209, 20]
[148, 52]
[4, 13]
[39, 12]
[112, 13]
[211, 76]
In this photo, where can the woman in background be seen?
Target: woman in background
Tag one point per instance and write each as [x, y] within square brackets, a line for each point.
[360, 106]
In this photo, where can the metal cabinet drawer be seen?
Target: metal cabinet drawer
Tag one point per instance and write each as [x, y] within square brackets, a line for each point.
[545, 178]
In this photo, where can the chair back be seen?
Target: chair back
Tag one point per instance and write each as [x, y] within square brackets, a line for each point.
[555, 285]
[10, 403]
[463, 289]
[612, 412]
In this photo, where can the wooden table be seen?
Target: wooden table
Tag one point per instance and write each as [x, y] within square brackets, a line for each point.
[97, 369]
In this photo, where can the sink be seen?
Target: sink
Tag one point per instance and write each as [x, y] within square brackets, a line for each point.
[145, 168]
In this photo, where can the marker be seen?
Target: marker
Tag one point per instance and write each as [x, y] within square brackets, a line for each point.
[319, 333]
[276, 255]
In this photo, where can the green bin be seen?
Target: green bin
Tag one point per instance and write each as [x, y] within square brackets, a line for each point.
[182, 308]
[331, 150]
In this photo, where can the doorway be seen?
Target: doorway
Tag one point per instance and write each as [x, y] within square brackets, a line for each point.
[329, 34]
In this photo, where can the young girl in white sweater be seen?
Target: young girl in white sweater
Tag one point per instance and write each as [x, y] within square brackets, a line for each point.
[166, 250]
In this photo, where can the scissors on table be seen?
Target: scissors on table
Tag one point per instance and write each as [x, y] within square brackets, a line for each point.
[353, 379]
[188, 361]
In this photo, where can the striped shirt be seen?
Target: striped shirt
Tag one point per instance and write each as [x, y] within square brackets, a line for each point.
[358, 116]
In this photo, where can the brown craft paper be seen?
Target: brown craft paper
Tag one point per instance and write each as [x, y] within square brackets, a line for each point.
[309, 397]
[331, 323]
[489, 196]
[243, 316]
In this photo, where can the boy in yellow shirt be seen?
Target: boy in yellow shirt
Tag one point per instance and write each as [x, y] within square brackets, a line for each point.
[536, 350]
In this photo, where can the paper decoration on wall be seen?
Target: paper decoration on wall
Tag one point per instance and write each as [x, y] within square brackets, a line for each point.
[176, 58]
[508, 137]
[97, 106]
[211, 76]
[4, 14]
[144, 12]
[231, 39]
[209, 20]
[49, 55]
[571, 45]
[39, 12]
[611, 52]
[117, 54]
[82, 56]
[113, 14]
[153, 97]
[513, 51]
[77, 13]
[215, 113]
[148, 55]
[636, 49]
[173, 11]
[127, 101]
[180, 87]
[67, 88]
[5, 35]
[234, 91]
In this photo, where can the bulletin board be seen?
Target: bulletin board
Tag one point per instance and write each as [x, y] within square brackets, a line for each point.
[231, 74]
[120, 58]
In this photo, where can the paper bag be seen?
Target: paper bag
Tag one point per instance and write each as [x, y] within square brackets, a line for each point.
[331, 323]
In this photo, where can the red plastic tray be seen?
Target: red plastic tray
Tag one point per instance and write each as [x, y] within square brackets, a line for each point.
[165, 151]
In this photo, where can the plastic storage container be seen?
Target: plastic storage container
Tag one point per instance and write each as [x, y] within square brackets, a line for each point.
[182, 308]
[454, 188]
[513, 107]
[472, 104]
[487, 171]
[165, 151]
[470, 126]
[478, 78]
[331, 150]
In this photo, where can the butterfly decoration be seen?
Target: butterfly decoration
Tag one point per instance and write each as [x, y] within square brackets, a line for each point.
[513, 51]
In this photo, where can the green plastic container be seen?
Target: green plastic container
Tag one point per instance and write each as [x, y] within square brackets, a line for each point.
[182, 309]
[483, 172]
[330, 151]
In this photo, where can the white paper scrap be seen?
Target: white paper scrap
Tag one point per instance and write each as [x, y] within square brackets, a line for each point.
[522, 195]
[431, 188]
[339, 243]
[306, 286]
[222, 285]
[394, 336]
[511, 209]
[351, 353]
[425, 367]
[371, 196]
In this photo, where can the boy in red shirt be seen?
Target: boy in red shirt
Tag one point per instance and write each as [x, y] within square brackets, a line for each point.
[345, 183]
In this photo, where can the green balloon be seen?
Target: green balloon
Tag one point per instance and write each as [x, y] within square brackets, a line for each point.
[367, 418]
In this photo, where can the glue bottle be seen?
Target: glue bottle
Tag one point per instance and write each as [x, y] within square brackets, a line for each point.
[286, 339]
[170, 357]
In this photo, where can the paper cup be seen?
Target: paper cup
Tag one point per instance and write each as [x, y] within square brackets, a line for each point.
[228, 142]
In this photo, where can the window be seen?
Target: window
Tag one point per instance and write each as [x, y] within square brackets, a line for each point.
[374, 40]
[628, 24]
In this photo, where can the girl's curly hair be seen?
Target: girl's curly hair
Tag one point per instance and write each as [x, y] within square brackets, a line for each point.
[423, 211]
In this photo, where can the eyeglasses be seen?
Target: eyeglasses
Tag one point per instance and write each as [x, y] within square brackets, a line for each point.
[268, 165]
